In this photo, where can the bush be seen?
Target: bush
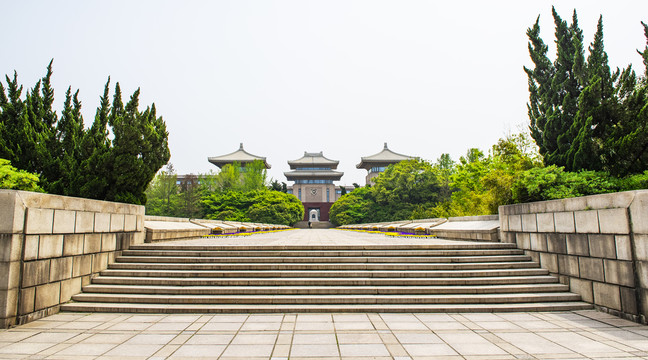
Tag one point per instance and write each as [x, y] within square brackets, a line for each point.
[12, 178]
[265, 206]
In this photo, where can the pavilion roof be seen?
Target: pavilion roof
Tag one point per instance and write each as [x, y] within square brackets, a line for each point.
[313, 175]
[240, 156]
[385, 157]
[313, 160]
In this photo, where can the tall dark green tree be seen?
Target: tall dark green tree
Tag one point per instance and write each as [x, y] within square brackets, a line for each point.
[582, 115]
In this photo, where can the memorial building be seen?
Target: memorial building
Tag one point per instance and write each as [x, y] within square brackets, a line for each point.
[376, 163]
[314, 175]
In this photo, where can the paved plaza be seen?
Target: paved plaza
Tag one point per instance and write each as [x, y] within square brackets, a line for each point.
[571, 335]
[524, 335]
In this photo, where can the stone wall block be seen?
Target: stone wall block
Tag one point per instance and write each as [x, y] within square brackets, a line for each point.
[515, 223]
[568, 265]
[535, 256]
[64, 221]
[50, 246]
[82, 265]
[130, 222]
[12, 212]
[538, 241]
[11, 246]
[99, 262]
[607, 295]
[73, 244]
[586, 221]
[642, 270]
[641, 247]
[564, 222]
[523, 241]
[556, 243]
[108, 242]
[610, 201]
[140, 223]
[614, 221]
[529, 223]
[116, 222]
[623, 248]
[591, 268]
[9, 275]
[84, 222]
[639, 212]
[27, 299]
[47, 295]
[92, 243]
[60, 269]
[582, 288]
[554, 206]
[31, 247]
[602, 246]
[577, 244]
[39, 221]
[628, 301]
[503, 222]
[575, 204]
[546, 222]
[619, 272]
[35, 273]
[102, 222]
[69, 288]
[549, 261]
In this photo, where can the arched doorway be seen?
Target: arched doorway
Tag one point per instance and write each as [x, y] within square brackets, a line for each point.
[313, 215]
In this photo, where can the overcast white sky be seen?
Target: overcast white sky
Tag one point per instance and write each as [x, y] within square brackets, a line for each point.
[285, 77]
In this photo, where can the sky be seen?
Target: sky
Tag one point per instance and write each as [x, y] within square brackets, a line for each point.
[284, 77]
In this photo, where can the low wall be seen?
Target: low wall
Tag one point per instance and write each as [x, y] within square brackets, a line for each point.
[596, 244]
[162, 228]
[52, 245]
[474, 228]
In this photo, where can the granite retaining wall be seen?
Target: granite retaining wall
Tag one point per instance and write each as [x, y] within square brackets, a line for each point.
[597, 244]
[52, 245]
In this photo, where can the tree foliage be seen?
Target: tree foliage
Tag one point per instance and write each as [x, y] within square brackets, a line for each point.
[71, 160]
[12, 178]
[266, 206]
[583, 115]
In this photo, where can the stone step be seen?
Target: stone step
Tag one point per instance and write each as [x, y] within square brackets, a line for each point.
[328, 281]
[296, 308]
[328, 299]
[314, 290]
[324, 266]
[323, 273]
[333, 259]
[216, 247]
[324, 253]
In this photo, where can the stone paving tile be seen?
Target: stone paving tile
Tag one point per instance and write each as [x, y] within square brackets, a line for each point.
[570, 335]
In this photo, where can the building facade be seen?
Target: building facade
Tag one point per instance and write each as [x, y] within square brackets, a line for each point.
[314, 175]
[376, 163]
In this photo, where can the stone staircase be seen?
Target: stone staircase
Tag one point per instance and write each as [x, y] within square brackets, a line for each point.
[462, 277]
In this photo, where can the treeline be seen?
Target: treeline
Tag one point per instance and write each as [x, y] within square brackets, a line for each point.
[114, 159]
[236, 193]
[512, 172]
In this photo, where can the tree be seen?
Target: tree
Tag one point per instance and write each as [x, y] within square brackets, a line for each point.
[162, 193]
[582, 115]
[272, 207]
[12, 178]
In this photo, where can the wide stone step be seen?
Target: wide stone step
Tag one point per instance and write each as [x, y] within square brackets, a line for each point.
[324, 253]
[296, 308]
[325, 290]
[306, 259]
[329, 281]
[324, 266]
[323, 273]
[328, 299]
[216, 247]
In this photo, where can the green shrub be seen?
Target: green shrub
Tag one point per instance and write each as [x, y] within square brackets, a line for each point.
[12, 178]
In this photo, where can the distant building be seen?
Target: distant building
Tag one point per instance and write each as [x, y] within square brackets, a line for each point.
[376, 163]
[240, 156]
[314, 175]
